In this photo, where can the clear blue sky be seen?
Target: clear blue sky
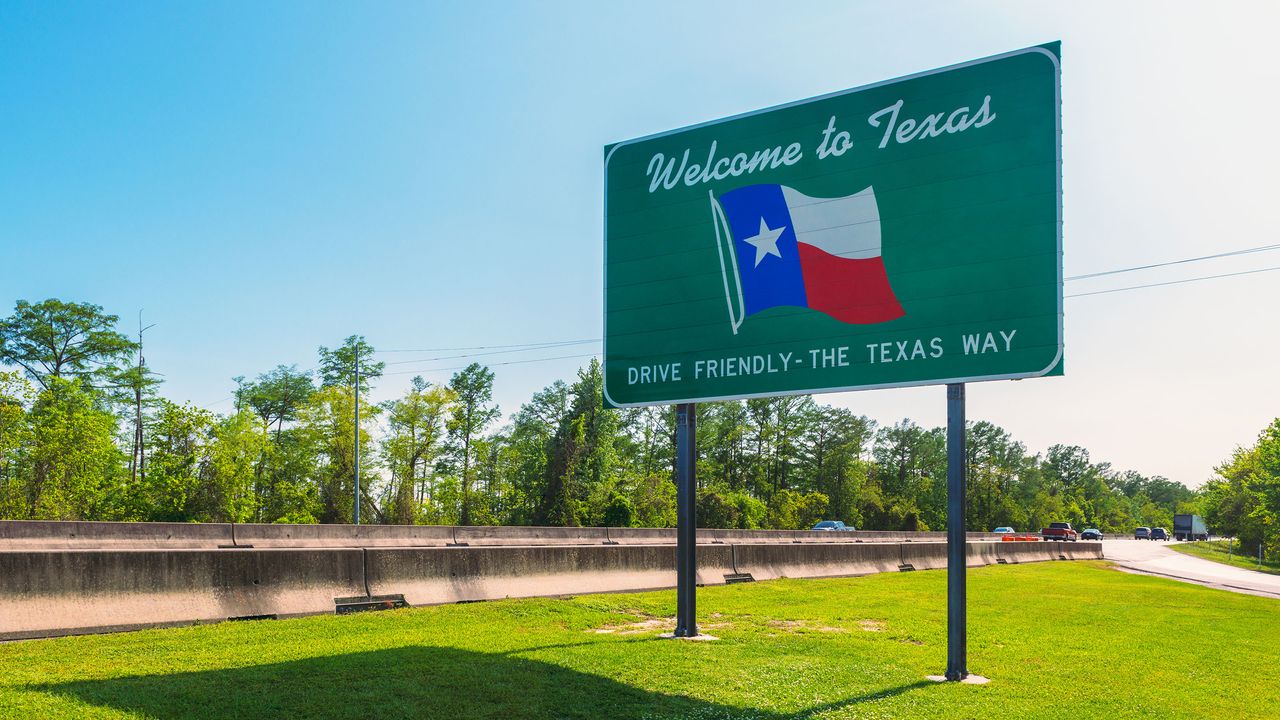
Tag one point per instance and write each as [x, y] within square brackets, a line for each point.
[264, 178]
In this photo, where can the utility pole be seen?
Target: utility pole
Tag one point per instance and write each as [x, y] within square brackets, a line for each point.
[138, 459]
[356, 446]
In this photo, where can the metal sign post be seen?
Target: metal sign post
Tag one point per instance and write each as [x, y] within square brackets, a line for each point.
[686, 521]
[957, 628]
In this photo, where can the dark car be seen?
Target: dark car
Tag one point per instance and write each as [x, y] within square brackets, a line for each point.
[831, 526]
[1091, 534]
[1142, 533]
[1159, 534]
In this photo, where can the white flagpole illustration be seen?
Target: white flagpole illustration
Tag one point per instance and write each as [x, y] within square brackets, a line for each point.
[724, 244]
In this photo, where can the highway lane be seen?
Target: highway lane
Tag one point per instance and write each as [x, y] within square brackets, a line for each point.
[1156, 558]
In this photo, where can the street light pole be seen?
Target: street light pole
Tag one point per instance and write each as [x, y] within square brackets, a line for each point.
[356, 514]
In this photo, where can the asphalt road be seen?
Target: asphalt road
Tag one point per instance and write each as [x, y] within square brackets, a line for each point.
[1156, 558]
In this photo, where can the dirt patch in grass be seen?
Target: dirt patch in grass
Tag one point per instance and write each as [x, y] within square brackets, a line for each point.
[637, 628]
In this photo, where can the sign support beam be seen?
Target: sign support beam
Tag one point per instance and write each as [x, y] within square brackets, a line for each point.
[957, 622]
[686, 520]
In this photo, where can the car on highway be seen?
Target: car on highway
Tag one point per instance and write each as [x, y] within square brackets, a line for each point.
[832, 526]
[1142, 533]
[1059, 531]
[1005, 530]
[1091, 534]
[1159, 534]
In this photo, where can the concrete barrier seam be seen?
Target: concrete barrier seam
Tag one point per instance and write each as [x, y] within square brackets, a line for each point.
[364, 570]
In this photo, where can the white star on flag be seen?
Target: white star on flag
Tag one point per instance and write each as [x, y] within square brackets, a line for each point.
[766, 241]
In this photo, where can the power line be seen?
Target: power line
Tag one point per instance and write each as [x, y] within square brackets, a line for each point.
[209, 406]
[545, 346]
[493, 364]
[1246, 251]
[496, 347]
[1175, 282]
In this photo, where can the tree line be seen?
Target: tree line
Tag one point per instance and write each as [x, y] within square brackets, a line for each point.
[86, 434]
[1243, 500]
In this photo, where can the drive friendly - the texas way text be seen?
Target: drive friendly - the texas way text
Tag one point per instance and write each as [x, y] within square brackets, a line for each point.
[819, 358]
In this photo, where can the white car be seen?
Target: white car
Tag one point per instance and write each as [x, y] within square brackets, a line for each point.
[1005, 530]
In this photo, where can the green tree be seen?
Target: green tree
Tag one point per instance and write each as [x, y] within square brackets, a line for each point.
[1244, 499]
[177, 443]
[53, 340]
[716, 511]
[230, 466]
[16, 395]
[75, 467]
[528, 446]
[619, 513]
[276, 396]
[327, 421]
[654, 499]
[338, 366]
[472, 388]
[791, 510]
[415, 429]
[722, 445]
[582, 456]
[911, 468]
[833, 443]
[994, 462]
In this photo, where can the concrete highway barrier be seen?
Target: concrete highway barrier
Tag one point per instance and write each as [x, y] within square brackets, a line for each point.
[1079, 550]
[433, 576]
[514, 535]
[772, 561]
[341, 536]
[924, 556]
[644, 536]
[350, 536]
[70, 535]
[89, 535]
[63, 592]
[138, 575]
[1020, 552]
[978, 554]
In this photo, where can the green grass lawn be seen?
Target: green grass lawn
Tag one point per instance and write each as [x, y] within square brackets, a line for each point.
[1216, 550]
[1064, 639]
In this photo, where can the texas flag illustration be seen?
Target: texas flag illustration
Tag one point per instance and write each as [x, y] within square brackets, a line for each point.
[787, 248]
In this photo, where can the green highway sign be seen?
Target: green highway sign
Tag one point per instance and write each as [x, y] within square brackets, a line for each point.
[903, 233]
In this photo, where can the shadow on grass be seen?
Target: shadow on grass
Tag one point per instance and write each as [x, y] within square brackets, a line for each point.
[407, 682]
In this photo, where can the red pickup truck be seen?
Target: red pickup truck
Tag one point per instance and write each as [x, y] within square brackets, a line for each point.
[1059, 531]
